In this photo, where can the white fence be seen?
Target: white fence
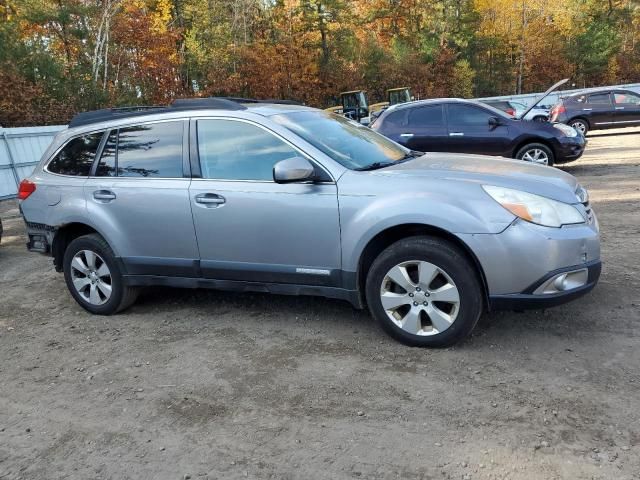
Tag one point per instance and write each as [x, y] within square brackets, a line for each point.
[20, 151]
[552, 99]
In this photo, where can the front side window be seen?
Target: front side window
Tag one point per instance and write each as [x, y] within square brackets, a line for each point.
[626, 98]
[600, 99]
[148, 150]
[352, 145]
[77, 156]
[464, 115]
[233, 150]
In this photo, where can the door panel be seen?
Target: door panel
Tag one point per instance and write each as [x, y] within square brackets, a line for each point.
[139, 199]
[469, 131]
[627, 108]
[424, 129]
[598, 110]
[251, 228]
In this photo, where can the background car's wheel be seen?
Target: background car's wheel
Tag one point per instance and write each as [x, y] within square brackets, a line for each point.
[580, 125]
[424, 292]
[540, 118]
[94, 278]
[536, 153]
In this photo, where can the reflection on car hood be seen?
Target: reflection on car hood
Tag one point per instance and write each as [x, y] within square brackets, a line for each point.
[517, 174]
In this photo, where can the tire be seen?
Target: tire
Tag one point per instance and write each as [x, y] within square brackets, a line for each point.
[540, 118]
[581, 125]
[533, 151]
[427, 322]
[88, 280]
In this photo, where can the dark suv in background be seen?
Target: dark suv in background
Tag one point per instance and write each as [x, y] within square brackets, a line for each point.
[466, 126]
[598, 109]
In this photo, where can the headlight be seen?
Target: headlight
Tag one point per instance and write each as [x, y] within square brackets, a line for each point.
[566, 129]
[534, 208]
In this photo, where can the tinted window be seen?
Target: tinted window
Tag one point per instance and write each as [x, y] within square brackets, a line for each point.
[464, 115]
[77, 156]
[600, 99]
[107, 164]
[153, 150]
[430, 116]
[396, 119]
[627, 97]
[234, 150]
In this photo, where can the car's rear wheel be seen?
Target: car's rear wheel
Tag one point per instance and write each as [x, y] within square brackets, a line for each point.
[536, 153]
[424, 292]
[580, 125]
[94, 278]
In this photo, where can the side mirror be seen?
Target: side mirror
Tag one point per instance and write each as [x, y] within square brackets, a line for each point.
[494, 122]
[295, 169]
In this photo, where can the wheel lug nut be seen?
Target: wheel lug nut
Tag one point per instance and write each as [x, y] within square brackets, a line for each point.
[417, 289]
[415, 304]
[425, 304]
[426, 294]
[411, 294]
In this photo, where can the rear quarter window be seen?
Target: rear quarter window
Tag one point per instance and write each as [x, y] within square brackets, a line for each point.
[77, 156]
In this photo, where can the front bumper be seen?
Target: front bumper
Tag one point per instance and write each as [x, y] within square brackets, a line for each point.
[529, 300]
[519, 260]
[570, 148]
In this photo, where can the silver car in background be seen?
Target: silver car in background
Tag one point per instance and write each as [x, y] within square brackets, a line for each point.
[268, 197]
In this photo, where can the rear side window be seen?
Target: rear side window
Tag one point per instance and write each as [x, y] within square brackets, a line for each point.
[149, 150]
[77, 156]
[231, 150]
[600, 99]
[626, 98]
[430, 116]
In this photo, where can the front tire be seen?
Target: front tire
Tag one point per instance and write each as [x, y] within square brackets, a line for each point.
[424, 292]
[94, 278]
[537, 153]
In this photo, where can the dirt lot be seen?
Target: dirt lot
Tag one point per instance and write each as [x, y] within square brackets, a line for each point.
[205, 384]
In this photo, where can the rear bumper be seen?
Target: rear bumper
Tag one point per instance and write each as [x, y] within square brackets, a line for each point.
[529, 300]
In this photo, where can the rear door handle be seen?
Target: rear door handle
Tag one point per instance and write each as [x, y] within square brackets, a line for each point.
[619, 108]
[104, 195]
[406, 135]
[587, 109]
[210, 199]
[456, 134]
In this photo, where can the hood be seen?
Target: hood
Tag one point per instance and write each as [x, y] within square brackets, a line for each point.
[516, 174]
[544, 95]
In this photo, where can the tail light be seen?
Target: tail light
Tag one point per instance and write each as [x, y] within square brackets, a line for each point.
[26, 188]
[511, 112]
[557, 110]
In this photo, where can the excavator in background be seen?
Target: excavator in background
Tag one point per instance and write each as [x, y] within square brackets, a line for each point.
[353, 104]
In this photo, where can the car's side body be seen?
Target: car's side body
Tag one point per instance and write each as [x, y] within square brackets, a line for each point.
[600, 109]
[314, 238]
[442, 128]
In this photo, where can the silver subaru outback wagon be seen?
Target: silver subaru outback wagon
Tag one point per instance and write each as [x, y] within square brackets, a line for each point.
[280, 198]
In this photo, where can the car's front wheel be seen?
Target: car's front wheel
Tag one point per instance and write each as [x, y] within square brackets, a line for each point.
[536, 153]
[94, 278]
[424, 292]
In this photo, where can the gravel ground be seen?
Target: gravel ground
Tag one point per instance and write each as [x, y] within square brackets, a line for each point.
[205, 384]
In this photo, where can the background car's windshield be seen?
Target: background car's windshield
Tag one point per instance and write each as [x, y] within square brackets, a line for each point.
[346, 141]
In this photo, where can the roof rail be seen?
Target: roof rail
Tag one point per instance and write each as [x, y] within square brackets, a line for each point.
[181, 104]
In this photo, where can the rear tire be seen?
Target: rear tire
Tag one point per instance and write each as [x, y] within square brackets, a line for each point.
[582, 126]
[441, 300]
[94, 278]
[536, 153]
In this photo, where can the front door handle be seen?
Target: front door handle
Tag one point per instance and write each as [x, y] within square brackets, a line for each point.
[406, 135]
[619, 108]
[587, 109]
[210, 199]
[104, 195]
[456, 134]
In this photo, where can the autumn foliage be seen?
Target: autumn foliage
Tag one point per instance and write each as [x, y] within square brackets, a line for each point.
[58, 57]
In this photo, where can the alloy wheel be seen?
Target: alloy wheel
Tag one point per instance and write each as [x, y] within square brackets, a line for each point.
[420, 298]
[91, 277]
[580, 126]
[536, 155]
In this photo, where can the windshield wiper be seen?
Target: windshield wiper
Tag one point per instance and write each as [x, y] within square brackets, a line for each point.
[374, 166]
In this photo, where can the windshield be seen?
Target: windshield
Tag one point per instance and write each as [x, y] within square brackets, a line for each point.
[347, 142]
